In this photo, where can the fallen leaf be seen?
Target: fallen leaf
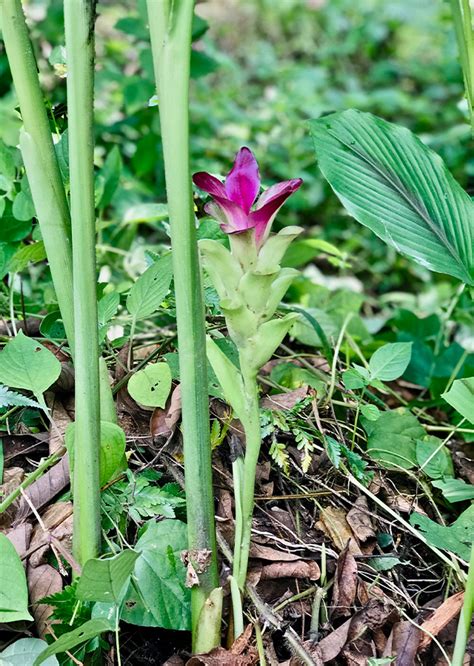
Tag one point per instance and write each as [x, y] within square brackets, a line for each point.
[58, 521]
[371, 616]
[61, 420]
[283, 401]
[403, 643]
[12, 477]
[222, 657]
[43, 581]
[163, 421]
[360, 520]
[20, 537]
[441, 617]
[358, 653]
[299, 569]
[332, 521]
[260, 552]
[44, 489]
[345, 584]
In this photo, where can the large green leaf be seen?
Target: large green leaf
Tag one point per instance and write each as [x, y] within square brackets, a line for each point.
[159, 578]
[393, 184]
[13, 589]
[26, 364]
[105, 580]
[24, 651]
[461, 397]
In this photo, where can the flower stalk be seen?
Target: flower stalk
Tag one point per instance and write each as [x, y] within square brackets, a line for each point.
[170, 32]
[79, 17]
[250, 283]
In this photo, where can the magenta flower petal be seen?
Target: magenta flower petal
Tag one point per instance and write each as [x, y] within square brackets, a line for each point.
[229, 214]
[268, 206]
[243, 182]
[209, 184]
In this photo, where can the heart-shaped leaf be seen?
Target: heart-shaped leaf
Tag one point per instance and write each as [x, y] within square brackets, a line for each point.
[26, 364]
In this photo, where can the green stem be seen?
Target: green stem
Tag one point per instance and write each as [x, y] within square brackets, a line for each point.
[39, 471]
[464, 625]
[462, 19]
[170, 31]
[79, 16]
[40, 157]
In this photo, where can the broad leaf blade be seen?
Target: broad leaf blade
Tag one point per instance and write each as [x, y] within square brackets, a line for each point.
[150, 289]
[461, 397]
[393, 184]
[13, 589]
[105, 580]
[26, 364]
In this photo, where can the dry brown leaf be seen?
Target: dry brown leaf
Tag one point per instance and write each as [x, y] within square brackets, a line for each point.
[233, 657]
[12, 477]
[58, 520]
[441, 617]
[372, 616]
[20, 537]
[61, 420]
[44, 489]
[403, 643]
[43, 581]
[360, 520]
[299, 569]
[163, 421]
[282, 401]
[345, 584]
[332, 521]
[359, 653]
[260, 552]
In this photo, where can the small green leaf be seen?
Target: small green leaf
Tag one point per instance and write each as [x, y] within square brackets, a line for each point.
[455, 490]
[151, 386]
[390, 361]
[438, 465]
[383, 563]
[13, 588]
[26, 364]
[392, 438]
[461, 397]
[370, 412]
[105, 580]
[333, 449]
[110, 174]
[457, 538]
[27, 254]
[146, 212]
[149, 291]
[159, 577]
[353, 379]
[107, 307]
[66, 642]
[23, 653]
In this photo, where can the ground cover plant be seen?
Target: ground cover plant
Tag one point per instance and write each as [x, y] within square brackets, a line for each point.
[236, 400]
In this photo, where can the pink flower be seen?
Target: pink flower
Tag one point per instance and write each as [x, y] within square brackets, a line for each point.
[235, 204]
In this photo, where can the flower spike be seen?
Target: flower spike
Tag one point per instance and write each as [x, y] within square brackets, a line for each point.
[235, 204]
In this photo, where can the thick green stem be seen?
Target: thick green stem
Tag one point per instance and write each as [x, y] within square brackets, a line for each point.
[462, 18]
[40, 158]
[170, 30]
[79, 16]
[465, 619]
